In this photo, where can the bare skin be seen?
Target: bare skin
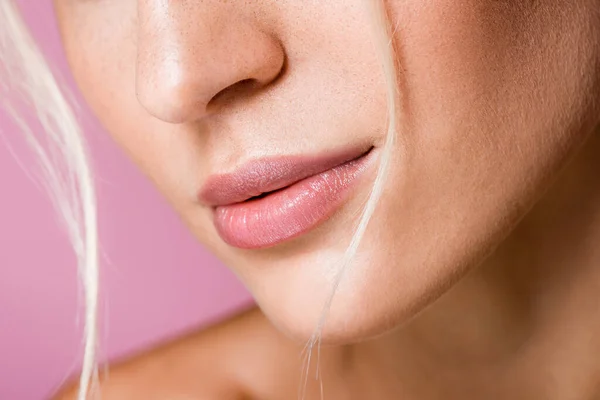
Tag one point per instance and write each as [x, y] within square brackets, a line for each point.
[478, 276]
[533, 333]
[235, 360]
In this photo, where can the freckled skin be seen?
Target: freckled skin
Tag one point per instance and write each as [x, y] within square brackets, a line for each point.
[498, 97]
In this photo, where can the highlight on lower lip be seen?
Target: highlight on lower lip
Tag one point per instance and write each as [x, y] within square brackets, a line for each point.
[289, 212]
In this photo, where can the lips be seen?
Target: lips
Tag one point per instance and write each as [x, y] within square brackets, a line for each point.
[269, 201]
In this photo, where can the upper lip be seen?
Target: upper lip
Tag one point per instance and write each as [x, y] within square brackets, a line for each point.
[264, 175]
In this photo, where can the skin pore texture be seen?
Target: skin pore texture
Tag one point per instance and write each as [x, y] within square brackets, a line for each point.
[478, 276]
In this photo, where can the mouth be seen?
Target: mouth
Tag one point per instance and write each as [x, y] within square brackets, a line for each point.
[270, 201]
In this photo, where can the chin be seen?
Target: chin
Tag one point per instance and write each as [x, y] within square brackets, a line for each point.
[366, 305]
[380, 292]
[349, 321]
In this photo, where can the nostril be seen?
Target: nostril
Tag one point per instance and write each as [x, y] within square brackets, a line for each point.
[239, 89]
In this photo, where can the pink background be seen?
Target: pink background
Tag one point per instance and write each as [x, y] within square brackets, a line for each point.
[157, 281]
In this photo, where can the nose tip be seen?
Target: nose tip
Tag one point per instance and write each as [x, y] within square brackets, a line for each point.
[183, 80]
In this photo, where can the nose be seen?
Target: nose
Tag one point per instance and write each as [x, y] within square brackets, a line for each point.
[195, 55]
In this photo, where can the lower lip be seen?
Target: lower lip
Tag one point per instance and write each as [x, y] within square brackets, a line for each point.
[289, 212]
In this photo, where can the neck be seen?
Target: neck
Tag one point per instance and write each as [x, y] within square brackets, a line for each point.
[527, 322]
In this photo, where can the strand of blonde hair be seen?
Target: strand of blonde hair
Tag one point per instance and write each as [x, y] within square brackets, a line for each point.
[63, 159]
[383, 39]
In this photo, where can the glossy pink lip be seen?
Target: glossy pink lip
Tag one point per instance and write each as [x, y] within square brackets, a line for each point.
[272, 200]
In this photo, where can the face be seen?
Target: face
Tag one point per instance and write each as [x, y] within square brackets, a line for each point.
[263, 124]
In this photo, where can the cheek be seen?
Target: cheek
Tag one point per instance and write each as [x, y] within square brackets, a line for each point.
[493, 108]
[487, 82]
[167, 157]
[109, 57]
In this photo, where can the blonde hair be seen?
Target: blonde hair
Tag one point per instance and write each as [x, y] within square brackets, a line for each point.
[73, 190]
[63, 160]
[383, 33]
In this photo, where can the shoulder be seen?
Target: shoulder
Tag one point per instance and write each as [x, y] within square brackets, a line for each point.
[209, 364]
